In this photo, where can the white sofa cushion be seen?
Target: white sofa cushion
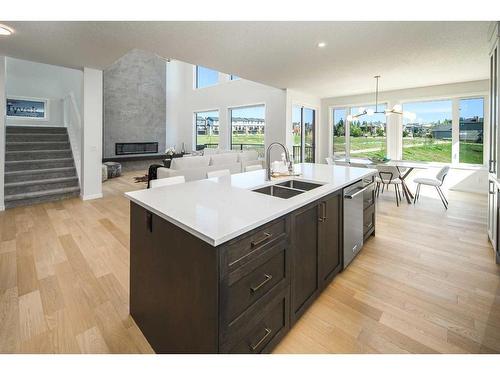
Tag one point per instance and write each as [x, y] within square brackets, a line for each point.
[248, 155]
[190, 162]
[223, 159]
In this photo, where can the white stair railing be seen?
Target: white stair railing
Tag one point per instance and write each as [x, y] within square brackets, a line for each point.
[73, 122]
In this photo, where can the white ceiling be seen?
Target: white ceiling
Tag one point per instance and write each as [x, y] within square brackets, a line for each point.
[279, 54]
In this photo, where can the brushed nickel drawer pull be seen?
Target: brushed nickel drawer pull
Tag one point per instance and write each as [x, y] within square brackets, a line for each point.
[253, 289]
[260, 240]
[254, 347]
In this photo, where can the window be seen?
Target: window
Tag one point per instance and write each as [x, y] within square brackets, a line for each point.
[297, 134]
[207, 129]
[247, 128]
[206, 77]
[367, 134]
[339, 123]
[429, 136]
[471, 131]
[303, 127]
[234, 78]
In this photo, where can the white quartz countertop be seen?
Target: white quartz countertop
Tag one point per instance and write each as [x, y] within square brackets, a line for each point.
[219, 209]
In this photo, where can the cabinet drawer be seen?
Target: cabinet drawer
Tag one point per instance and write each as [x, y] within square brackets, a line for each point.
[248, 289]
[239, 252]
[368, 219]
[266, 326]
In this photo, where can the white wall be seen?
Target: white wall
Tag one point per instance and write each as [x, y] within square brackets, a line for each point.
[31, 79]
[183, 101]
[92, 134]
[474, 180]
[2, 130]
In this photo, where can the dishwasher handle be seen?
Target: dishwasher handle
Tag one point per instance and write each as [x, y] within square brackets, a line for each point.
[351, 196]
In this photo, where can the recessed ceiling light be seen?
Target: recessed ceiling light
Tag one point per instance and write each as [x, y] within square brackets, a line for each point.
[5, 30]
[321, 44]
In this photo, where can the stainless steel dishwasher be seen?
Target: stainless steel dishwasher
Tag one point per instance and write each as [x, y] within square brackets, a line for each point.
[353, 221]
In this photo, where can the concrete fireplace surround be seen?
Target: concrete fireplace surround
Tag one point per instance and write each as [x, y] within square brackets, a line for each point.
[135, 101]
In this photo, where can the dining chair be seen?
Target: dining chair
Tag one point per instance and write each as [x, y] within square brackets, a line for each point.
[218, 173]
[436, 181]
[250, 168]
[167, 181]
[388, 175]
[329, 160]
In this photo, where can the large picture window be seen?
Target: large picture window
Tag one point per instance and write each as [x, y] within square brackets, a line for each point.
[429, 136]
[471, 128]
[247, 128]
[206, 77]
[367, 134]
[207, 129]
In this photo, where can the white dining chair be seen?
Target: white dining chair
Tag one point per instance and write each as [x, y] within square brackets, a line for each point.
[388, 175]
[329, 160]
[250, 168]
[167, 181]
[436, 181]
[218, 173]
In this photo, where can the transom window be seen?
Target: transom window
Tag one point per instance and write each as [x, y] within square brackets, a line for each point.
[206, 77]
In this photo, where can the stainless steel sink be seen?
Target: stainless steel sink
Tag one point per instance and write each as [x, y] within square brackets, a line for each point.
[300, 185]
[287, 189]
[279, 191]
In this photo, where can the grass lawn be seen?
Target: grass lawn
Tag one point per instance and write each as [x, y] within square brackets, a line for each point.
[237, 138]
[431, 151]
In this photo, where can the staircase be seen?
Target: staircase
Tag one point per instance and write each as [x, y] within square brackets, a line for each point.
[39, 166]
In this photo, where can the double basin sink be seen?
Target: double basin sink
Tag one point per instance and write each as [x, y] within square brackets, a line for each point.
[287, 189]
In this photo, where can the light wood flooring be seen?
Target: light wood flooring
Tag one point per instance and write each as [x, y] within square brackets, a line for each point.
[427, 283]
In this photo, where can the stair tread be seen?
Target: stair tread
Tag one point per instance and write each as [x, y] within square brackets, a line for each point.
[44, 170]
[38, 151]
[41, 193]
[33, 142]
[43, 181]
[31, 160]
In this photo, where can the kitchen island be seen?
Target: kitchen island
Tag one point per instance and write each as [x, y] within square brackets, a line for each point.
[228, 265]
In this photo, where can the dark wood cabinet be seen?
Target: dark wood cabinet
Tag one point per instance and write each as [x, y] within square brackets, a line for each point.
[240, 297]
[330, 238]
[316, 250]
[304, 240]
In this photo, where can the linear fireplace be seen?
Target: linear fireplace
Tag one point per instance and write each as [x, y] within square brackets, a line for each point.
[136, 148]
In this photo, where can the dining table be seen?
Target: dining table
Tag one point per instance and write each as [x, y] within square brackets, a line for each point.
[404, 168]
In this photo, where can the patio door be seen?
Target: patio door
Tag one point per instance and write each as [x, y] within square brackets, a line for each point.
[303, 133]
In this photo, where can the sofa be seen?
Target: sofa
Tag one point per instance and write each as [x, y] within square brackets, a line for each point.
[196, 167]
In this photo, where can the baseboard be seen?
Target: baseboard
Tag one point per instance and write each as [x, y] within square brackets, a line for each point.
[91, 196]
[2, 207]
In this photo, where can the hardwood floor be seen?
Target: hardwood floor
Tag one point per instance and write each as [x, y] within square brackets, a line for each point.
[426, 283]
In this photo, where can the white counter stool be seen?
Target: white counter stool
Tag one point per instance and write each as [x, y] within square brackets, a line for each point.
[167, 181]
[436, 181]
[218, 173]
